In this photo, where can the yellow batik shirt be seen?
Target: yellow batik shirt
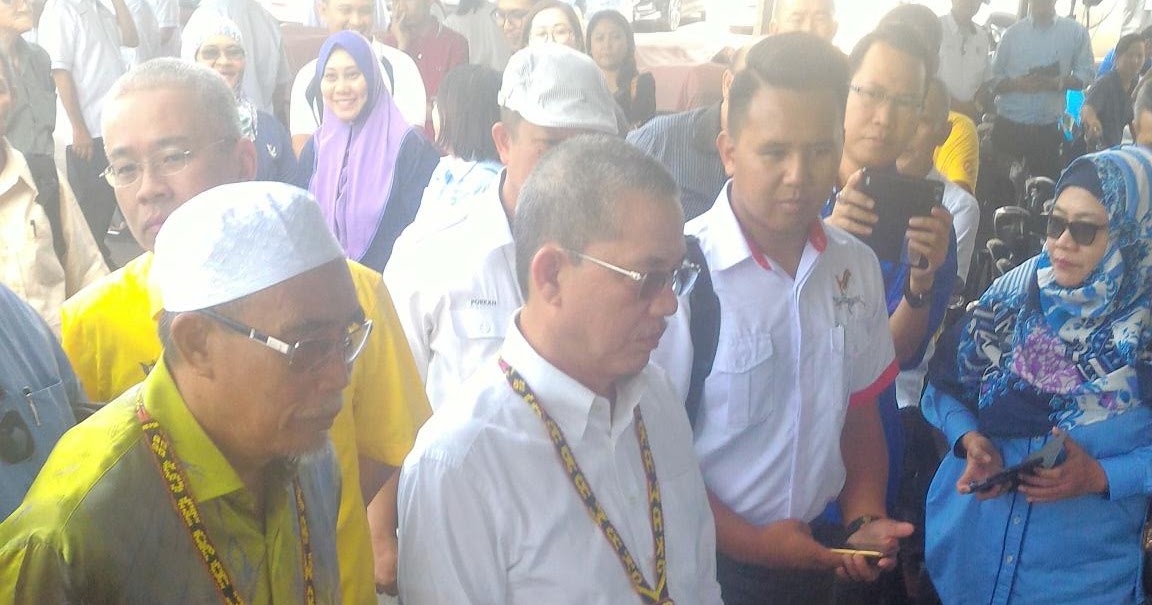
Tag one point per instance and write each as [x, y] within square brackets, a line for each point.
[99, 526]
[109, 334]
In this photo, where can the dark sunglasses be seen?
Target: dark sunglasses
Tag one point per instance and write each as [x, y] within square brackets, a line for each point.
[1082, 233]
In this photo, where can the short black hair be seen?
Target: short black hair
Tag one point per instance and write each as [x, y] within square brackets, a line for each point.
[794, 61]
[922, 20]
[899, 36]
[1126, 41]
[467, 106]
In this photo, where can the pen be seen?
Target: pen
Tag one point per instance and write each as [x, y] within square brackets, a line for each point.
[34, 228]
[28, 396]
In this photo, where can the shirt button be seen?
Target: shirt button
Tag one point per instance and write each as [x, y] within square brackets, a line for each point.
[485, 328]
[1009, 559]
[1016, 520]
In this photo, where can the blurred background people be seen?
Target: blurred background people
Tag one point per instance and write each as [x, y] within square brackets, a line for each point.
[1108, 103]
[474, 20]
[215, 42]
[554, 21]
[612, 45]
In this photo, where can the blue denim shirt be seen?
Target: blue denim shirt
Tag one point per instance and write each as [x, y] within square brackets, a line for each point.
[37, 388]
[1027, 46]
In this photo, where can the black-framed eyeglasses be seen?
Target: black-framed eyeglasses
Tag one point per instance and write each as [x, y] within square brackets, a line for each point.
[874, 97]
[653, 282]
[309, 354]
[515, 17]
[167, 162]
[1083, 233]
[232, 52]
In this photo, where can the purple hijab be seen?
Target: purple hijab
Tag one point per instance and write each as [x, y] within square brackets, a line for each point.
[358, 159]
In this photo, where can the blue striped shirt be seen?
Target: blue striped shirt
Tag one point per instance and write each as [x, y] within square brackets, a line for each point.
[685, 143]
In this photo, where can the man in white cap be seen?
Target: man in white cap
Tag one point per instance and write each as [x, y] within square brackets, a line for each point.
[174, 133]
[563, 471]
[451, 276]
[215, 476]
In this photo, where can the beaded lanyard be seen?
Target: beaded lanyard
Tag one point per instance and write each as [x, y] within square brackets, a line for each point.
[650, 596]
[189, 513]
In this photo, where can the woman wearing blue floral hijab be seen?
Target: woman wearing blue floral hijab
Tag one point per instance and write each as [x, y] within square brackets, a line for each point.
[1057, 347]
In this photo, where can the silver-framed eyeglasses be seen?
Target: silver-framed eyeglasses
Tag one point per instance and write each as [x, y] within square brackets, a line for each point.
[651, 283]
[167, 162]
[309, 354]
[874, 97]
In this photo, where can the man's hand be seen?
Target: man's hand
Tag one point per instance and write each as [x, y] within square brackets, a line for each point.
[983, 461]
[1091, 124]
[1080, 474]
[794, 548]
[854, 211]
[883, 535]
[82, 142]
[928, 238]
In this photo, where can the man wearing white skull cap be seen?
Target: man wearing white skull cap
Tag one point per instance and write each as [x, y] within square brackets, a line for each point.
[223, 451]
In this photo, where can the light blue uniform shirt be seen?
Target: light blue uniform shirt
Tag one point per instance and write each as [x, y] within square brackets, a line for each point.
[1026, 46]
[37, 386]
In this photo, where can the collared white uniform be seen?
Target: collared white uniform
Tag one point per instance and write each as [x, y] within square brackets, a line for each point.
[453, 282]
[965, 222]
[147, 33]
[791, 355]
[488, 513]
[965, 62]
[407, 92]
[82, 38]
[28, 262]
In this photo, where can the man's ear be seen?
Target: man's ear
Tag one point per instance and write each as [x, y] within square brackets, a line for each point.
[189, 335]
[726, 83]
[545, 274]
[726, 145]
[502, 137]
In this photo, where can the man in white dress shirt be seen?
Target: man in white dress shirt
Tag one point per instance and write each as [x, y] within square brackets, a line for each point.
[451, 276]
[563, 471]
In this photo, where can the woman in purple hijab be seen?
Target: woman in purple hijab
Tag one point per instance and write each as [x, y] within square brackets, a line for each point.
[366, 165]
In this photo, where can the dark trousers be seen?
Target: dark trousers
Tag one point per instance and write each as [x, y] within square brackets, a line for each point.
[95, 196]
[1039, 146]
[745, 584]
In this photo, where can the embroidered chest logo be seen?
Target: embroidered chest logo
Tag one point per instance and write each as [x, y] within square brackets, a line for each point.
[273, 152]
[843, 301]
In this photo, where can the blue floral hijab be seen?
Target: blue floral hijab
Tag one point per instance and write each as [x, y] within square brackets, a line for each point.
[1033, 354]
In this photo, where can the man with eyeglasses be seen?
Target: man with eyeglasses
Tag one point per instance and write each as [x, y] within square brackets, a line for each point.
[510, 15]
[451, 276]
[563, 470]
[888, 75]
[173, 133]
[215, 477]
[401, 75]
[1038, 60]
[787, 420]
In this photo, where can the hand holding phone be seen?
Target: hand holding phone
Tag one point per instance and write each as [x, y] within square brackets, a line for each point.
[1045, 457]
[898, 199]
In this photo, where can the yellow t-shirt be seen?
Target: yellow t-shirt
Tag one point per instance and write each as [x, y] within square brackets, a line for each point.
[958, 159]
[109, 334]
[99, 526]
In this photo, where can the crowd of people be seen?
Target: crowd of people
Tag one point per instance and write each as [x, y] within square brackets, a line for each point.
[453, 313]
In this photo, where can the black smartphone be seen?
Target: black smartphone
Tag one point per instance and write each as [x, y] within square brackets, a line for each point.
[1050, 70]
[898, 199]
[1046, 457]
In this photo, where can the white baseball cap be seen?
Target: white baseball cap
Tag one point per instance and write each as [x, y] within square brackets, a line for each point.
[235, 240]
[554, 86]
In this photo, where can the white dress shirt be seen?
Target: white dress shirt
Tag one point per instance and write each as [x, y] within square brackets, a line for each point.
[83, 38]
[147, 33]
[488, 514]
[793, 354]
[28, 262]
[453, 282]
[409, 94]
[965, 62]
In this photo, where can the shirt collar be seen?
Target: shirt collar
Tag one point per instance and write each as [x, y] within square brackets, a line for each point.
[15, 169]
[209, 473]
[731, 244]
[706, 127]
[486, 218]
[568, 402]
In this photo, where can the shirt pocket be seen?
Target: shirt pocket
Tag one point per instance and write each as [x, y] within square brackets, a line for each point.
[749, 367]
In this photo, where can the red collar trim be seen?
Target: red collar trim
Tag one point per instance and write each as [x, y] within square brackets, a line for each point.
[816, 237]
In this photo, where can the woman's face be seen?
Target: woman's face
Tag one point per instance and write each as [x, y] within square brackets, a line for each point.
[608, 45]
[225, 56]
[1072, 261]
[1129, 63]
[344, 87]
[551, 25]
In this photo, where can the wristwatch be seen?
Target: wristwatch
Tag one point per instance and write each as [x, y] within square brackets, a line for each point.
[859, 522]
[916, 301]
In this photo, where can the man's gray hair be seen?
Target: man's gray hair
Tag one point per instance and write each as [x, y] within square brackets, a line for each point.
[213, 103]
[573, 196]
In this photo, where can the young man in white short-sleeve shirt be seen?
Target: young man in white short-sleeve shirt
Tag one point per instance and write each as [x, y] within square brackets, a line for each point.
[788, 420]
